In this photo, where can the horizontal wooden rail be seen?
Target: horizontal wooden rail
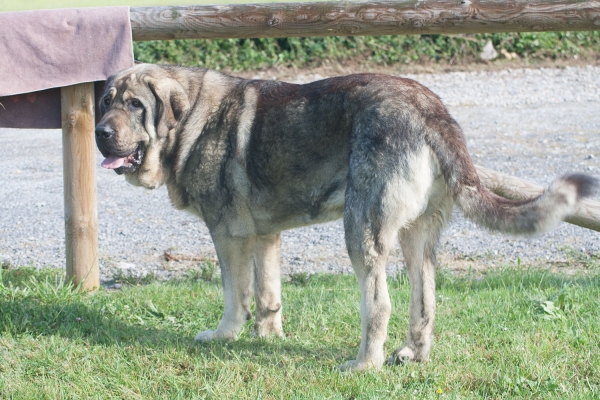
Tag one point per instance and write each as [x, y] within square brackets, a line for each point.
[586, 216]
[363, 18]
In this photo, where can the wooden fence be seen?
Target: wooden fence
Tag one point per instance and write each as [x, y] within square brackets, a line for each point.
[365, 18]
[300, 19]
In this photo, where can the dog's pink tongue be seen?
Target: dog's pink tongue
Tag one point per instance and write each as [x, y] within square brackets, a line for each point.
[113, 162]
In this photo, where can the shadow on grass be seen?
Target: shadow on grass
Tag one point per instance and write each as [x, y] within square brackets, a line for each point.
[76, 320]
[88, 325]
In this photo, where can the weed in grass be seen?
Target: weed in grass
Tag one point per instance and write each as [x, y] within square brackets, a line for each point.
[204, 272]
[194, 274]
[582, 259]
[401, 278]
[6, 264]
[299, 278]
[548, 310]
[134, 280]
[207, 271]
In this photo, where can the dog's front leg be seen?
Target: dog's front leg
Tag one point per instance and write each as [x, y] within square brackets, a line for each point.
[235, 258]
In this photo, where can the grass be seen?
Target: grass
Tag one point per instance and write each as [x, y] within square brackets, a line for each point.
[516, 332]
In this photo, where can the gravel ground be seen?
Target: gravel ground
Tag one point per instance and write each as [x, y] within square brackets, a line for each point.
[531, 123]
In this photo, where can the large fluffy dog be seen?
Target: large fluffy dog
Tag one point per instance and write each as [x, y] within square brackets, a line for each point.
[252, 158]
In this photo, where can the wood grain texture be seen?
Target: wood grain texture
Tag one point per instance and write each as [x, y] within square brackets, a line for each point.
[510, 187]
[364, 18]
[79, 176]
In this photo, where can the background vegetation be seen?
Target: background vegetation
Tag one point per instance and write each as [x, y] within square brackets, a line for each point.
[242, 54]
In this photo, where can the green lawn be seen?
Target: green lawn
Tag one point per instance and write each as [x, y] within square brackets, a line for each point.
[516, 332]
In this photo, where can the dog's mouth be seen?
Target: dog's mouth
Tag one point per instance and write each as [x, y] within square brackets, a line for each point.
[126, 164]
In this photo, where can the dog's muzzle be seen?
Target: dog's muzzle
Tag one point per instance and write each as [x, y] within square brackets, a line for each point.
[122, 162]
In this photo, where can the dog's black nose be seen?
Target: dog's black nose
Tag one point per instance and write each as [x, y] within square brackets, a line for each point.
[104, 132]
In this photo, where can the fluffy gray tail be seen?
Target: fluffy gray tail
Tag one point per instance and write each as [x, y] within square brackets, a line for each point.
[482, 206]
[526, 217]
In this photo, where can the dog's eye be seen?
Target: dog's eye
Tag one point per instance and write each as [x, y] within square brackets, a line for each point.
[106, 101]
[136, 103]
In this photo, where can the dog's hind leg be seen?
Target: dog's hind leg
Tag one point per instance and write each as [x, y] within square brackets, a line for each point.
[369, 235]
[235, 258]
[381, 198]
[418, 242]
[375, 305]
[267, 286]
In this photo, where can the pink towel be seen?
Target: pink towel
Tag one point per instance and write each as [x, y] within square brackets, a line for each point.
[48, 49]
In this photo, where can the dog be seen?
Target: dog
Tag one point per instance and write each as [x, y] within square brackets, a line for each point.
[253, 158]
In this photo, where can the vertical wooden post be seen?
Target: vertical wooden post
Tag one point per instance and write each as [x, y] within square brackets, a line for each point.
[79, 174]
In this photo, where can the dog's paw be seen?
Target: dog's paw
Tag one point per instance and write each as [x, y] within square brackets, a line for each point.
[402, 355]
[268, 331]
[210, 335]
[267, 334]
[355, 366]
[348, 366]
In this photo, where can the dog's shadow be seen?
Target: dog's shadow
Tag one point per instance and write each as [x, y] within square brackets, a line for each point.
[91, 324]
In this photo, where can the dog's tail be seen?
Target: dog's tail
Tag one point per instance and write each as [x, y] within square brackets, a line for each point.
[525, 217]
[482, 206]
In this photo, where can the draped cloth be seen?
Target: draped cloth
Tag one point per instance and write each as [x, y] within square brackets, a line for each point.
[44, 50]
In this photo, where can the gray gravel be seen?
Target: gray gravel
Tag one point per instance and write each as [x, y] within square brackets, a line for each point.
[531, 123]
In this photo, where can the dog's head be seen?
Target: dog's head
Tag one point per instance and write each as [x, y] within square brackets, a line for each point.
[142, 108]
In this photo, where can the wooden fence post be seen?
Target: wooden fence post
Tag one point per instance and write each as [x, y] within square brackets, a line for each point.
[79, 174]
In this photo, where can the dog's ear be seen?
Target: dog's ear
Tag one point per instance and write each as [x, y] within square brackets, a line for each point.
[171, 104]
